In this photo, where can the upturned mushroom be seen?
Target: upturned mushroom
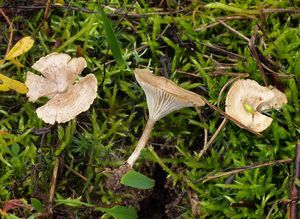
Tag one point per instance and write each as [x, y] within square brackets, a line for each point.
[246, 100]
[163, 97]
[67, 98]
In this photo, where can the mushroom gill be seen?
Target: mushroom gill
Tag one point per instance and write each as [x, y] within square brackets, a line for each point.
[163, 97]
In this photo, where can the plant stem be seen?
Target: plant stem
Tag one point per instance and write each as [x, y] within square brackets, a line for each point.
[222, 6]
[212, 139]
[294, 190]
[242, 169]
[53, 184]
[142, 142]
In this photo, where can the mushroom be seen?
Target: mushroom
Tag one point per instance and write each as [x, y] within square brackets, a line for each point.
[67, 99]
[275, 103]
[246, 99]
[163, 97]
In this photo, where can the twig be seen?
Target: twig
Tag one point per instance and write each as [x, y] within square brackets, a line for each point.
[219, 50]
[53, 184]
[223, 89]
[234, 31]
[47, 7]
[206, 146]
[228, 18]
[195, 203]
[205, 137]
[271, 210]
[76, 173]
[10, 30]
[294, 190]
[230, 117]
[232, 74]
[242, 169]
[221, 126]
[281, 10]
[212, 139]
[254, 53]
[133, 15]
[85, 10]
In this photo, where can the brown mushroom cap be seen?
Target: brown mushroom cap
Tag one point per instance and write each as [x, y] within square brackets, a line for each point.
[164, 96]
[59, 72]
[65, 106]
[249, 92]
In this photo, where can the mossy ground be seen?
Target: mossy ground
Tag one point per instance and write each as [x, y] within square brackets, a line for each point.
[186, 42]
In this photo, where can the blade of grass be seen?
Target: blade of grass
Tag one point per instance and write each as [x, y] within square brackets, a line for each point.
[111, 39]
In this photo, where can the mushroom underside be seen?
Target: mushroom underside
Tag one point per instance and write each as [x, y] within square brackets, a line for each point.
[161, 103]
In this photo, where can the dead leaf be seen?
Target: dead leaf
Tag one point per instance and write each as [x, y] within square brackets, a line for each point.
[12, 204]
[21, 47]
[2, 132]
[11, 84]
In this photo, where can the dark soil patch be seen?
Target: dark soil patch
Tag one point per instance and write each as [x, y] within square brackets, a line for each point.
[157, 205]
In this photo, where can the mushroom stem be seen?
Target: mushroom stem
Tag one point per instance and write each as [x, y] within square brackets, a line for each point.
[142, 142]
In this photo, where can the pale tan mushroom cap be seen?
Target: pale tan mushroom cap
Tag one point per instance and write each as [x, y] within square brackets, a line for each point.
[39, 86]
[59, 72]
[253, 94]
[163, 96]
[60, 68]
[66, 106]
[276, 102]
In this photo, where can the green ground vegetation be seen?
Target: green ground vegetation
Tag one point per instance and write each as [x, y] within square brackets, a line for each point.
[186, 42]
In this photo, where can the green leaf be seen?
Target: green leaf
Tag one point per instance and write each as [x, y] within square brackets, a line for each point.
[249, 108]
[72, 202]
[121, 212]
[112, 40]
[15, 149]
[11, 216]
[297, 182]
[137, 180]
[37, 205]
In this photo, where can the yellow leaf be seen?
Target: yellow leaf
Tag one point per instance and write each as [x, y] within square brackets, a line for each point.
[2, 213]
[2, 132]
[60, 2]
[11, 84]
[2, 61]
[16, 62]
[22, 46]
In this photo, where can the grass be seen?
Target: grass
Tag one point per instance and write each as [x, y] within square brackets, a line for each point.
[185, 43]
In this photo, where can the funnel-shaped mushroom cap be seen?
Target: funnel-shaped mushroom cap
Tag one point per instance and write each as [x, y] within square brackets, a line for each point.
[59, 72]
[164, 96]
[243, 101]
[64, 107]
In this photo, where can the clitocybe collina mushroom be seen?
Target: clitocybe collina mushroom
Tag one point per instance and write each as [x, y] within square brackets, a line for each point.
[246, 100]
[163, 97]
[67, 99]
